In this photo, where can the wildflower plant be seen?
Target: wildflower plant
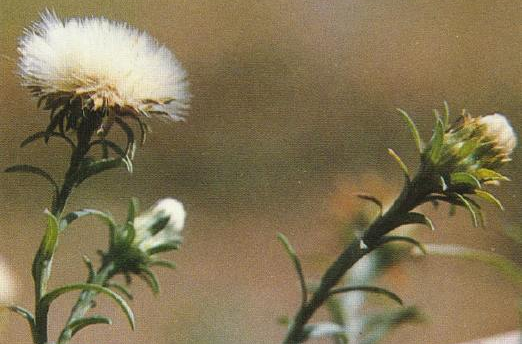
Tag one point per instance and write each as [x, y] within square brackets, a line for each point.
[456, 165]
[92, 74]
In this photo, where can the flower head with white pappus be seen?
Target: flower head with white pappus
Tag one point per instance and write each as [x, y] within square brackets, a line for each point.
[109, 66]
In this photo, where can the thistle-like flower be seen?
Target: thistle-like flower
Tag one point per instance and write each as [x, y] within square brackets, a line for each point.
[100, 65]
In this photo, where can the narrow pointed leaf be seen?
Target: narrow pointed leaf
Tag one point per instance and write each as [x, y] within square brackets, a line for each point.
[369, 289]
[51, 236]
[27, 315]
[46, 135]
[46, 301]
[500, 263]
[446, 115]
[371, 198]
[80, 324]
[174, 245]
[402, 165]
[472, 211]
[437, 142]
[123, 290]
[297, 265]
[486, 174]
[490, 198]
[337, 315]
[457, 178]
[34, 170]
[72, 216]
[413, 217]
[163, 263]
[150, 278]
[413, 129]
[398, 238]
[95, 167]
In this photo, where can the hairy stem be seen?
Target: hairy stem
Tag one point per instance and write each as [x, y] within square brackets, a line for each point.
[412, 195]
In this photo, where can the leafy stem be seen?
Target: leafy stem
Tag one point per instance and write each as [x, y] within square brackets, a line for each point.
[85, 301]
[413, 194]
[42, 264]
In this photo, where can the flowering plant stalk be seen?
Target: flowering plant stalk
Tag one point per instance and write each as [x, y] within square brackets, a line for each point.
[458, 161]
[88, 91]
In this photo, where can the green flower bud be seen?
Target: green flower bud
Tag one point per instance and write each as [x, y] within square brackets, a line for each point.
[475, 147]
[135, 245]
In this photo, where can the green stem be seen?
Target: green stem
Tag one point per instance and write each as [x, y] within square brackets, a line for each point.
[412, 195]
[84, 302]
[42, 267]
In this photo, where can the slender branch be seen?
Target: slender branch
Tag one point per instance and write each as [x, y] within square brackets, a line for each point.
[412, 195]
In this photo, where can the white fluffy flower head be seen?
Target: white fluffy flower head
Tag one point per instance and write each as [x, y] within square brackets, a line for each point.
[109, 65]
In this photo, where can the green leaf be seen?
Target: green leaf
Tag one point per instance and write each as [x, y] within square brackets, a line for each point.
[446, 114]
[173, 245]
[37, 171]
[371, 198]
[402, 165]
[465, 178]
[500, 263]
[50, 240]
[487, 174]
[27, 315]
[162, 263]
[125, 291]
[46, 135]
[413, 218]
[490, 198]
[369, 289]
[437, 142]
[81, 323]
[413, 129]
[394, 238]
[150, 278]
[131, 142]
[473, 211]
[133, 209]
[72, 216]
[297, 265]
[94, 167]
[116, 149]
[46, 301]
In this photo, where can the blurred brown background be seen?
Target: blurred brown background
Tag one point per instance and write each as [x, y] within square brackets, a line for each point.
[293, 102]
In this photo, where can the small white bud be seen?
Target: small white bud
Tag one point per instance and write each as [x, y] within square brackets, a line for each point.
[168, 207]
[498, 129]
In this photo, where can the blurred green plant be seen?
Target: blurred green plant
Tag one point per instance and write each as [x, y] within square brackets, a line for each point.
[458, 162]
